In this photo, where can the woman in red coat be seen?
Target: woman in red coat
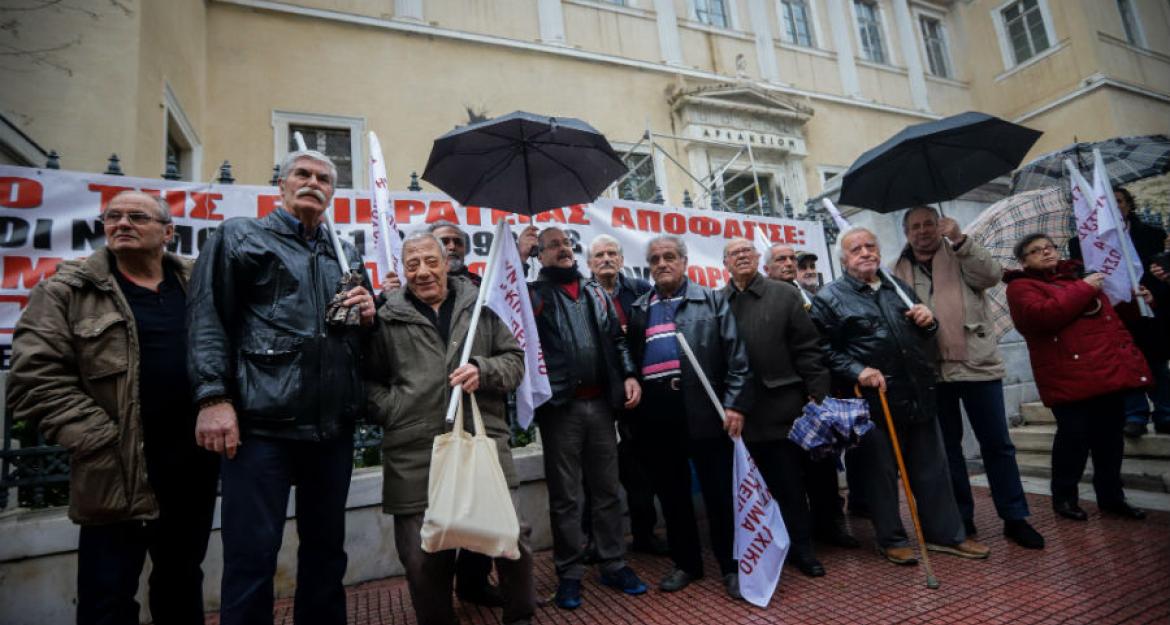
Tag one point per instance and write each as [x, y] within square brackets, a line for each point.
[1083, 360]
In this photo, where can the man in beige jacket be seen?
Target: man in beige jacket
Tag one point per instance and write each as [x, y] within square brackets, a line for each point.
[950, 272]
[412, 365]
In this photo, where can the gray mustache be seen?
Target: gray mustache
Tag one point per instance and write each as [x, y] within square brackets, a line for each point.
[311, 191]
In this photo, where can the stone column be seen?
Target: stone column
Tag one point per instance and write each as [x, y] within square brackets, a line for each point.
[552, 21]
[842, 28]
[668, 41]
[765, 49]
[909, 43]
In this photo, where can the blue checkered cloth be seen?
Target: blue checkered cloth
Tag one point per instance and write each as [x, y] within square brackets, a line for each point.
[828, 428]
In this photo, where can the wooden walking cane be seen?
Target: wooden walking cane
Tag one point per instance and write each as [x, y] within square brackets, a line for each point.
[931, 580]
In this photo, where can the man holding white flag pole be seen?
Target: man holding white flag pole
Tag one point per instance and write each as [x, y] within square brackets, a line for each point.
[677, 425]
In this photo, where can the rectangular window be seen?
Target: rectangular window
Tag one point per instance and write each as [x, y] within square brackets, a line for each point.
[1024, 24]
[869, 29]
[936, 46]
[797, 22]
[739, 193]
[1129, 21]
[640, 185]
[712, 12]
[332, 142]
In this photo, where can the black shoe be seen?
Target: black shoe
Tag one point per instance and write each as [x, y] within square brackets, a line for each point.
[1133, 429]
[1124, 510]
[1069, 510]
[482, 594]
[837, 536]
[731, 585]
[969, 525]
[625, 580]
[1023, 534]
[568, 595]
[676, 580]
[652, 545]
[809, 565]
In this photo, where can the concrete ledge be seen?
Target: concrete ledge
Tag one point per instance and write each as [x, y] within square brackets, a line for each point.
[38, 552]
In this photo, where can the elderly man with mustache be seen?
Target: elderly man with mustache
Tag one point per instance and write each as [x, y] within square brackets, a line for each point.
[678, 424]
[279, 391]
[592, 377]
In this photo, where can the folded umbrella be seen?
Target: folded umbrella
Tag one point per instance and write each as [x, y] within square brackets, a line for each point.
[831, 427]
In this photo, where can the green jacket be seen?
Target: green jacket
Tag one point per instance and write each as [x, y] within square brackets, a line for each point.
[406, 372]
[75, 373]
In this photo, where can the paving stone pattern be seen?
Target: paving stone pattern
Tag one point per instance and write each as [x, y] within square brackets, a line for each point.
[1106, 570]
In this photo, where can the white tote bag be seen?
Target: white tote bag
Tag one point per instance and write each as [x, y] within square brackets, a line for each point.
[468, 502]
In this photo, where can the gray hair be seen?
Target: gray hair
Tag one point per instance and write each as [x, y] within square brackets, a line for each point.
[850, 232]
[540, 237]
[605, 239]
[906, 215]
[768, 255]
[443, 223]
[164, 209]
[287, 164]
[424, 235]
[678, 243]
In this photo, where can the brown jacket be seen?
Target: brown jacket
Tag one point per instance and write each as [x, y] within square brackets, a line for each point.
[980, 272]
[75, 374]
[406, 372]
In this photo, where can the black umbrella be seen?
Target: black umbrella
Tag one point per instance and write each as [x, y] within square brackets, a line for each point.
[935, 161]
[523, 163]
[1126, 159]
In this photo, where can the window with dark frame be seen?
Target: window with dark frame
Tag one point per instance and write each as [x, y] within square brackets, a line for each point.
[869, 26]
[712, 12]
[797, 22]
[1024, 24]
[640, 185]
[1129, 21]
[332, 142]
[936, 46]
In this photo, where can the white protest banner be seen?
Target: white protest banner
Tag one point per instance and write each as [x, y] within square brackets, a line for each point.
[47, 216]
[1111, 232]
[507, 296]
[387, 243]
[761, 538]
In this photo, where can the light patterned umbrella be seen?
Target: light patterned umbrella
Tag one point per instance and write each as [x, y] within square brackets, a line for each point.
[1126, 158]
[1004, 223]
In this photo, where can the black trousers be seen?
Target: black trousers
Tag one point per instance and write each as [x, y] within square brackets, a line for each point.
[805, 489]
[256, 487]
[1083, 427]
[635, 479]
[110, 557]
[664, 442]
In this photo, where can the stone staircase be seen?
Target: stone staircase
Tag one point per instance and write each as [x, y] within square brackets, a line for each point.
[1147, 460]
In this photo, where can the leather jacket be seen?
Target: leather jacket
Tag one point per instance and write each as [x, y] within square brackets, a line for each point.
[705, 320]
[862, 328]
[551, 323]
[257, 331]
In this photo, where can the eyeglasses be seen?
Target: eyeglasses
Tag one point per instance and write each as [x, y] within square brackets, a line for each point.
[137, 218]
[1040, 250]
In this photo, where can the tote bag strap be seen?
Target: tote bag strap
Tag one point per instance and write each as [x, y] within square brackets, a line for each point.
[477, 418]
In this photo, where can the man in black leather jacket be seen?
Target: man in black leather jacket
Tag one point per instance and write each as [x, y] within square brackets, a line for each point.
[873, 340]
[678, 422]
[278, 392]
[592, 377]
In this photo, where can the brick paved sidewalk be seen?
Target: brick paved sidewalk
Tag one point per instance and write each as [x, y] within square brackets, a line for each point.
[1106, 570]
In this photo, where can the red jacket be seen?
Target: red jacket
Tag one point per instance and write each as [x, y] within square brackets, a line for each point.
[1078, 346]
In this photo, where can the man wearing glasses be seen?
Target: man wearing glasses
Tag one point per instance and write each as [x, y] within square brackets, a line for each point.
[101, 326]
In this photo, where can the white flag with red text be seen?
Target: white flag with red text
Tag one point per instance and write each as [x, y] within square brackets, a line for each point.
[1121, 281]
[387, 242]
[761, 538]
[507, 296]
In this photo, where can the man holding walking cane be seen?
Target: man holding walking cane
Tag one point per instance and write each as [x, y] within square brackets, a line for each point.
[874, 341]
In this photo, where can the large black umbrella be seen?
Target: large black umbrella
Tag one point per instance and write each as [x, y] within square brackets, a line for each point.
[935, 161]
[523, 163]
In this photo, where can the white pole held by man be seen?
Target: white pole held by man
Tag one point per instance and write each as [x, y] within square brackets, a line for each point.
[387, 242]
[761, 538]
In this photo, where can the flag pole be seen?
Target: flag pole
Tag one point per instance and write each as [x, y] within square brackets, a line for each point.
[380, 197]
[1123, 238]
[489, 274]
[682, 341]
[844, 225]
